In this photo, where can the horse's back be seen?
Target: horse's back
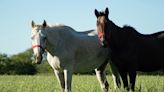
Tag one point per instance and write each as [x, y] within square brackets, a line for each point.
[146, 50]
[88, 32]
[150, 52]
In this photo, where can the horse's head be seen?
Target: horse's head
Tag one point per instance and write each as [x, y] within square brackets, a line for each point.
[102, 26]
[38, 40]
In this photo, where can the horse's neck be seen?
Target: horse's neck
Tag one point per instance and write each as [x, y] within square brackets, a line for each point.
[115, 30]
[113, 26]
[57, 40]
[118, 36]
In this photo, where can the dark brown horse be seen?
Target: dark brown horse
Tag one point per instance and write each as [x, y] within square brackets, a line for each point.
[130, 50]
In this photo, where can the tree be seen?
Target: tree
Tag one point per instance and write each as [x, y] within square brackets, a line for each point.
[17, 64]
[4, 63]
[24, 62]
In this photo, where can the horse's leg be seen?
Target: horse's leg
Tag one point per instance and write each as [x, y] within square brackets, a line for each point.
[124, 79]
[102, 80]
[60, 78]
[101, 77]
[68, 79]
[115, 75]
[132, 76]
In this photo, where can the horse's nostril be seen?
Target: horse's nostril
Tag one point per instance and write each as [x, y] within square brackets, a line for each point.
[104, 43]
[38, 57]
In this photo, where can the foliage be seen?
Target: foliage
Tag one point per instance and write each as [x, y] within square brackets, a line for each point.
[25, 56]
[17, 64]
[4, 62]
[21, 63]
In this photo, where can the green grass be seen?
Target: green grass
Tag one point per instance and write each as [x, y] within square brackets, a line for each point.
[81, 83]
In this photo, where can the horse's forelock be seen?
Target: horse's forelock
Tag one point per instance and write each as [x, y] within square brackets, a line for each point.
[102, 13]
[40, 27]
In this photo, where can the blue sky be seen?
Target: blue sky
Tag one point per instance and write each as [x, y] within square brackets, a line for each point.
[147, 16]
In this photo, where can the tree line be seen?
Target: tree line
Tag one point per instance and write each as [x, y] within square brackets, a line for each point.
[21, 64]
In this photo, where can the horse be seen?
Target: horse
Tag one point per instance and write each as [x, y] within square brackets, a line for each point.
[131, 51]
[69, 51]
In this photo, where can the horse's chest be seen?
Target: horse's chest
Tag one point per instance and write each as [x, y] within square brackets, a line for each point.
[124, 54]
[54, 62]
[124, 58]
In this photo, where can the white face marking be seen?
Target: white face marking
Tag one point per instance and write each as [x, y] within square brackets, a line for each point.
[38, 42]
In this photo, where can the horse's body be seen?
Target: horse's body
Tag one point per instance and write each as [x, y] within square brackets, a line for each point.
[146, 51]
[69, 51]
[76, 49]
[131, 51]
[149, 51]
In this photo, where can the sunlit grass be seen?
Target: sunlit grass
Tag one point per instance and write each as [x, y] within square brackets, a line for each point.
[81, 83]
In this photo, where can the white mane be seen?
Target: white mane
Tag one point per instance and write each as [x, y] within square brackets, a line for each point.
[68, 28]
[56, 25]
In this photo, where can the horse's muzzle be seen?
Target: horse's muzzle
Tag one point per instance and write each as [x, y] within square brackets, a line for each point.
[38, 59]
[104, 43]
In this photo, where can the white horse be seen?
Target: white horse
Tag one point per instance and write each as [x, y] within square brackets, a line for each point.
[69, 51]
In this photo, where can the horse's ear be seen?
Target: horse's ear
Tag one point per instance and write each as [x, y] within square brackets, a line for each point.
[107, 12]
[44, 24]
[97, 13]
[33, 23]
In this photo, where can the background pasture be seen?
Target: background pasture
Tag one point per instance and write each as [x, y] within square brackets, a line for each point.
[81, 83]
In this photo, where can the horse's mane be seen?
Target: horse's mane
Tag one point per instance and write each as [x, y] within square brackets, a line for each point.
[70, 29]
[130, 29]
[56, 25]
[60, 26]
[102, 13]
[126, 28]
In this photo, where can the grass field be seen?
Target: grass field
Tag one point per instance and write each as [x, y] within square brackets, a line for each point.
[81, 83]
